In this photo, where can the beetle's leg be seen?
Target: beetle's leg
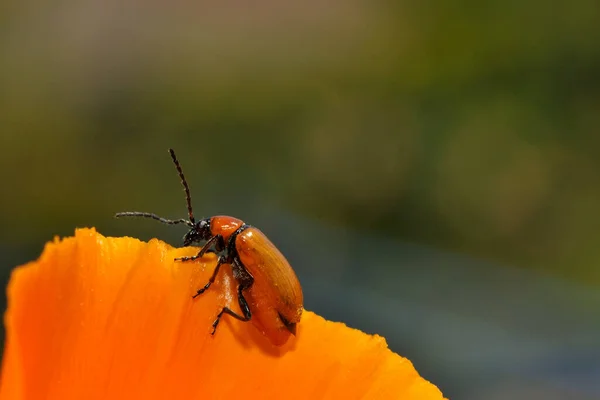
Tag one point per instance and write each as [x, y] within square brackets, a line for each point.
[220, 261]
[216, 240]
[246, 280]
[220, 243]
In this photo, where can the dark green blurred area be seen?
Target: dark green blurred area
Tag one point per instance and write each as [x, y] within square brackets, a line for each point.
[469, 126]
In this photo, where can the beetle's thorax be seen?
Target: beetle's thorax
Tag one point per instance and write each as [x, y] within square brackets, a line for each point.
[224, 226]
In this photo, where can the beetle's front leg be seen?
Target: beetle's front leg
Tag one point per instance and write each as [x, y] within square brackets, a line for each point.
[216, 240]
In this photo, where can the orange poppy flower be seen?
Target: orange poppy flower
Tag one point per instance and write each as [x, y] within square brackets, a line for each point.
[114, 318]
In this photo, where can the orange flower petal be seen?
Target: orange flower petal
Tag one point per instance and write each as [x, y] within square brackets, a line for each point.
[111, 318]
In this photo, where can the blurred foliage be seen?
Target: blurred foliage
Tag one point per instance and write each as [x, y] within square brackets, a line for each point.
[468, 125]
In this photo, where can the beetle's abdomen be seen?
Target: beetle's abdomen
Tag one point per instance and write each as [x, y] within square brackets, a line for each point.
[276, 295]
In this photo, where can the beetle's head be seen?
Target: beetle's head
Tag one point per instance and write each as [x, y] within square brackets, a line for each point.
[199, 232]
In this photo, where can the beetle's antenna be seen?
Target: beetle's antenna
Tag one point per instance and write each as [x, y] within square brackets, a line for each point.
[154, 216]
[188, 197]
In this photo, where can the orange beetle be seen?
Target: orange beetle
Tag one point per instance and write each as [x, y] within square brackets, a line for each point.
[268, 290]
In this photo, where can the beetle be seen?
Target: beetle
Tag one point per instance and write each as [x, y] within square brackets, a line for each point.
[268, 289]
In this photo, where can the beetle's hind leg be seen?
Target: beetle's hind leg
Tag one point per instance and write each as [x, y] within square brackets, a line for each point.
[245, 281]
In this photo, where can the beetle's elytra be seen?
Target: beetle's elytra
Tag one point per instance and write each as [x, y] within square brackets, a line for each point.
[268, 290]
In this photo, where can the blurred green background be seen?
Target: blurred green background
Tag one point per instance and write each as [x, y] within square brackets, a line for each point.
[470, 127]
